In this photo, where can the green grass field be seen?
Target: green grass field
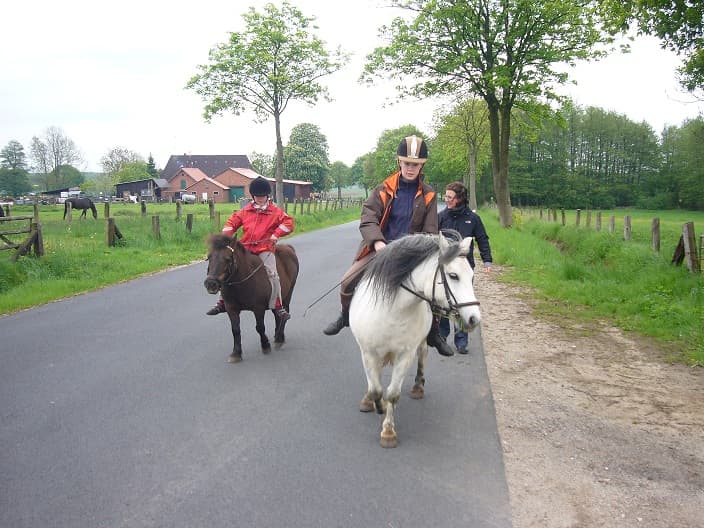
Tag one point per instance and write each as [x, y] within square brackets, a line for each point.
[589, 274]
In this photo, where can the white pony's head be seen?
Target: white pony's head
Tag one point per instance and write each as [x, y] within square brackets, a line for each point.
[454, 279]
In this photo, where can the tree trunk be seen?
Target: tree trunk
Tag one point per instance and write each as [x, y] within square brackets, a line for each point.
[499, 129]
[472, 184]
[503, 195]
[279, 161]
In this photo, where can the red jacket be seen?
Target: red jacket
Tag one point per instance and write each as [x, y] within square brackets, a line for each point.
[258, 225]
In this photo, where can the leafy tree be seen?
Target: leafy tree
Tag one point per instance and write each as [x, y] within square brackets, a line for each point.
[151, 167]
[276, 59]
[117, 157]
[306, 156]
[508, 53]
[69, 176]
[339, 176]
[12, 156]
[357, 173]
[133, 171]
[459, 143]
[263, 164]
[50, 153]
[14, 181]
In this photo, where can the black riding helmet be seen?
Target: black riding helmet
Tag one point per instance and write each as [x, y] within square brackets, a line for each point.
[260, 187]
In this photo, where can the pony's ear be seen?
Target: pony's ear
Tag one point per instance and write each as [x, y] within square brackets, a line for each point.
[465, 245]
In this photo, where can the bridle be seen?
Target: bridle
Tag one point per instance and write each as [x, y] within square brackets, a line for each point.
[231, 271]
[454, 306]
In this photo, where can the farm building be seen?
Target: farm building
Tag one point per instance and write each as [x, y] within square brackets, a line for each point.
[209, 189]
[222, 178]
[150, 189]
[182, 180]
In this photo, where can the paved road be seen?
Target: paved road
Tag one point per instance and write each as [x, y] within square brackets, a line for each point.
[117, 409]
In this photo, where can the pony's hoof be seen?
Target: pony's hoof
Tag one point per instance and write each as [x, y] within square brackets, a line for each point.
[388, 439]
[366, 405]
[417, 392]
[266, 350]
[278, 344]
[234, 359]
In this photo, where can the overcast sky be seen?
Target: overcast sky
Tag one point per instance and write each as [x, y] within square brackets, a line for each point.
[113, 75]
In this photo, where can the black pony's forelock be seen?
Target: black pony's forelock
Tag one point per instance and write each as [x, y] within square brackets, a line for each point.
[219, 241]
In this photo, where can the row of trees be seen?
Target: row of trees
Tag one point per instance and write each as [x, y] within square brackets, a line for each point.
[51, 164]
[510, 54]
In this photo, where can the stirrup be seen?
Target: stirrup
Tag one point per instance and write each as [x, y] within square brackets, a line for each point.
[282, 314]
[337, 325]
[435, 340]
[217, 309]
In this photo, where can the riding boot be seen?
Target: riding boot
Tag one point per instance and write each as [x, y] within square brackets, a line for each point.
[435, 340]
[338, 324]
[343, 319]
[281, 312]
[217, 309]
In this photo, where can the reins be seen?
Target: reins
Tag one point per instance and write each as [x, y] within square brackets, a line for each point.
[251, 274]
[454, 306]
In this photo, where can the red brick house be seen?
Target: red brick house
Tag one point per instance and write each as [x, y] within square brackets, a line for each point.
[181, 181]
[209, 189]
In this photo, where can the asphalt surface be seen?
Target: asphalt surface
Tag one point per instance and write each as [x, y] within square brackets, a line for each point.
[118, 409]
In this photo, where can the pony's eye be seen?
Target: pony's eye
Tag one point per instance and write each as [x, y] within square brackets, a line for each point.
[453, 275]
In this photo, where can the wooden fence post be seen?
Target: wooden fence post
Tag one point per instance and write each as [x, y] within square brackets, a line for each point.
[308, 206]
[143, 205]
[655, 232]
[110, 232]
[612, 224]
[579, 215]
[563, 216]
[189, 222]
[690, 247]
[69, 213]
[211, 209]
[179, 208]
[106, 210]
[155, 227]
[589, 218]
[626, 227]
[36, 229]
[36, 212]
[598, 221]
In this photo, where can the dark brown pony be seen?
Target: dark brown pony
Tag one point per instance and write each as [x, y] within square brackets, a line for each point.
[80, 203]
[242, 279]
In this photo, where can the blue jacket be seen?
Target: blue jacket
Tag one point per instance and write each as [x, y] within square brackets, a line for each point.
[468, 223]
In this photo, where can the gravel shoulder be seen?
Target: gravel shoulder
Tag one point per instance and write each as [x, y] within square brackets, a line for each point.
[597, 428]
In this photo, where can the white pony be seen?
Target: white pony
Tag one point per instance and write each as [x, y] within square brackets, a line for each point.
[392, 312]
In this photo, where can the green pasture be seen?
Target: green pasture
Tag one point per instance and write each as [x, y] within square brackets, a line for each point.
[581, 273]
[77, 258]
[575, 273]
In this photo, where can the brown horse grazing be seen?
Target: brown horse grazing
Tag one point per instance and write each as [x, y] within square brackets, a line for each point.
[80, 203]
[243, 281]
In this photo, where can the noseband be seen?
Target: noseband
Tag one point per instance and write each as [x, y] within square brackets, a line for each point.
[454, 306]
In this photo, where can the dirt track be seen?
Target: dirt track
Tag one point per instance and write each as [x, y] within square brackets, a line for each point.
[597, 428]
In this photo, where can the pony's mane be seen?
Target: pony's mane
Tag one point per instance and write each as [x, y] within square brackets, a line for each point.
[396, 261]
